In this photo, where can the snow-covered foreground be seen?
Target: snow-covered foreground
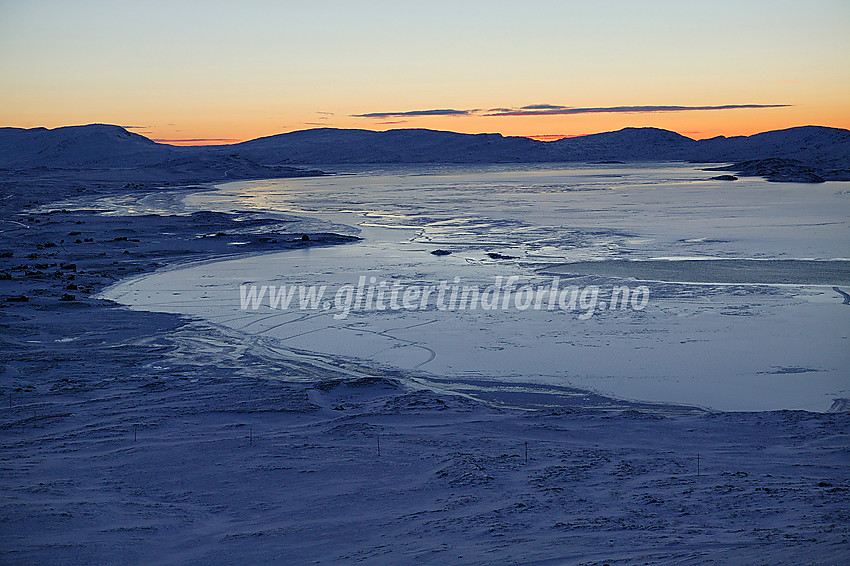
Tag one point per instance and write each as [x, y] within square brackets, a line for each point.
[726, 346]
[194, 449]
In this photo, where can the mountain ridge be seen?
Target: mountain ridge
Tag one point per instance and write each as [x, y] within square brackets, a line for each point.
[821, 152]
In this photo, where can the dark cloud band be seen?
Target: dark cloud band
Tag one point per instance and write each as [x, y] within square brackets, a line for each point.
[557, 110]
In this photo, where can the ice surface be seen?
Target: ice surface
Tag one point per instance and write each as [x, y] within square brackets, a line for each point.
[726, 347]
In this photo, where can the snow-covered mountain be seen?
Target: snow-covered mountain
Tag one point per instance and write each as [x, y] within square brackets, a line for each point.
[824, 151]
[329, 145]
[103, 147]
[93, 145]
[628, 144]
[816, 145]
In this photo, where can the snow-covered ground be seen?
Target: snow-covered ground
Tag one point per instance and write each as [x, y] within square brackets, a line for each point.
[196, 469]
[716, 344]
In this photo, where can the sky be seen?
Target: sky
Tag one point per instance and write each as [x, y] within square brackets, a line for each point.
[219, 72]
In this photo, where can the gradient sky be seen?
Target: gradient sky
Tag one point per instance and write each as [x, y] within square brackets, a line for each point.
[234, 71]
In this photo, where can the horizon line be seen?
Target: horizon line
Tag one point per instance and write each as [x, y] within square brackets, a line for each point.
[193, 142]
[533, 137]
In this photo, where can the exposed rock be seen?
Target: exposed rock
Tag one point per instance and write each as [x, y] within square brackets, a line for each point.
[778, 170]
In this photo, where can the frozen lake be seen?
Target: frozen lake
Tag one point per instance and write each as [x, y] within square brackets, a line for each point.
[776, 340]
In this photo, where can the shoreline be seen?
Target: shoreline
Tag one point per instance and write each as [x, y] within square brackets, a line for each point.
[205, 236]
[48, 286]
[63, 247]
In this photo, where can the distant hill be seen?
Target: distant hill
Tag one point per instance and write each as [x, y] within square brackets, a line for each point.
[628, 144]
[330, 146]
[817, 145]
[117, 153]
[816, 153]
[94, 145]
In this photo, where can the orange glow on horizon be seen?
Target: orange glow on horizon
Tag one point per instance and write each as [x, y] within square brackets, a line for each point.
[224, 125]
[695, 125]
[552, 137]
[197, 141]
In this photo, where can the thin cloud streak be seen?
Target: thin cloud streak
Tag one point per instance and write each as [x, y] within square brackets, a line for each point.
[558, 110]
[435, 112]
[552, 110]
[533, 107]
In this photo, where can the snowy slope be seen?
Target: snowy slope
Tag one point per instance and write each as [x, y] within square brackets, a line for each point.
[93, 145]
